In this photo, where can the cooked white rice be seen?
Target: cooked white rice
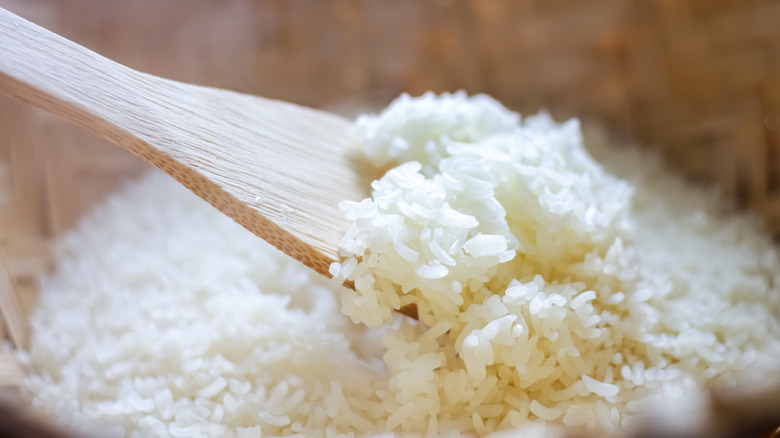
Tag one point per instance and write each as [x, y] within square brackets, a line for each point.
[555, 291]
[165, 318]
[550, 292]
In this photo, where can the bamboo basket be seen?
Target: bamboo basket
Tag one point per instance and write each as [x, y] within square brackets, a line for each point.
[698, 80]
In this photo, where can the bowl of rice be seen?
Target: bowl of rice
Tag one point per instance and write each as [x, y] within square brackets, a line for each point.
[566, 281]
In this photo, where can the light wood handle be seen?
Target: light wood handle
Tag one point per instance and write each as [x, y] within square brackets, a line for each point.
[61, 77]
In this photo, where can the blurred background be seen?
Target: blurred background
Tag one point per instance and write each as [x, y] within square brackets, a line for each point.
[695, 79]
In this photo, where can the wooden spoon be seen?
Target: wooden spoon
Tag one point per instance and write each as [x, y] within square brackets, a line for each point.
[276, 168]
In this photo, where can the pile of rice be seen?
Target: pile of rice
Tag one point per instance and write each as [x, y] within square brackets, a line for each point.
[551, 292]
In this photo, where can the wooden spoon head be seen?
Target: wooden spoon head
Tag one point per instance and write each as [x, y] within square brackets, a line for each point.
[278, 169]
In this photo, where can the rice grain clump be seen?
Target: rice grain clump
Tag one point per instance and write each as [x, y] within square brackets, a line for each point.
[549, 290]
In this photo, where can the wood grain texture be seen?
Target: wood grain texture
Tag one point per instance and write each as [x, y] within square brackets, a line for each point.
[11, 308]
[277, 169]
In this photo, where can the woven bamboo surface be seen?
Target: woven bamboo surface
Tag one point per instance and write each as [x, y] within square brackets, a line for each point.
[697, 79]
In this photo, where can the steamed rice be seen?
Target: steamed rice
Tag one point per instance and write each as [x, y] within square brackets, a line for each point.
[559, 284]
[552, 290]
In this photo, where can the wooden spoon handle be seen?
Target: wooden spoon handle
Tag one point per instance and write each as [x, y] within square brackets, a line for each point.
[129, 108]
[61, 77]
